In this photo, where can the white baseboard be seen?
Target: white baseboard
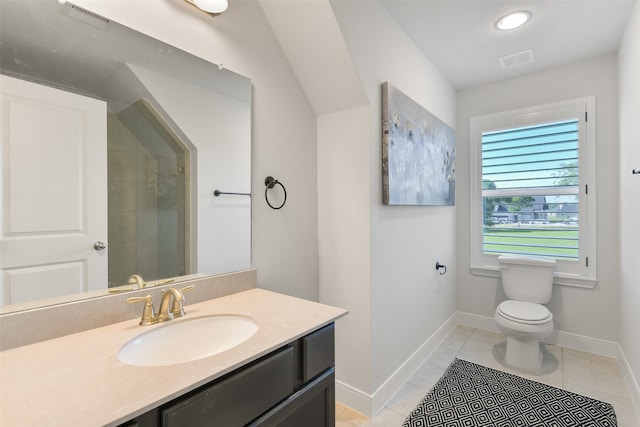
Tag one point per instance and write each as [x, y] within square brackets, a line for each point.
[563, 339]
[354, 398]
[477, 321]
[370, 405]
[630, 379]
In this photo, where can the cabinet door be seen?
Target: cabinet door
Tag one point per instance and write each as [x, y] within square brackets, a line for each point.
[312, 406]
[237, 399]
[318, 350]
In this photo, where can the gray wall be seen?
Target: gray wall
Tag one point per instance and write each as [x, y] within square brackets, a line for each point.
[408, 300]
[573, 308]
[629, 90]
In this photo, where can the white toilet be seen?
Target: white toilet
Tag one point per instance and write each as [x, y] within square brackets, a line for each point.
[527, 282]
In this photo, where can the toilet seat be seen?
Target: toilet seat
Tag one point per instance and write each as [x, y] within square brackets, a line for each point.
[524, 312]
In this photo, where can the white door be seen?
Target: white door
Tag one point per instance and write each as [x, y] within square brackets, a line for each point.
[54, 192]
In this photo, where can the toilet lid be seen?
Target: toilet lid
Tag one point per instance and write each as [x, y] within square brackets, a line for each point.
[524, 312]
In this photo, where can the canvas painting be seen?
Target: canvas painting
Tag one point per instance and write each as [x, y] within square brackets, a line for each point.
[418, 153]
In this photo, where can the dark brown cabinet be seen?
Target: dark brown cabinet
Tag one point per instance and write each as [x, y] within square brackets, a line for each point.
[291, 386]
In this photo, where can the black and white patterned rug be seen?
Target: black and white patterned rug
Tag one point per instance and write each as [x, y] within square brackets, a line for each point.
[474, 395]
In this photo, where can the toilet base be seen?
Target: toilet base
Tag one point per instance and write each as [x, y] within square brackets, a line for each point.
[523, 354]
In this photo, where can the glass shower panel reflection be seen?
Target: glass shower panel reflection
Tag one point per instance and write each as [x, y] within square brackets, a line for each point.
[147, 170]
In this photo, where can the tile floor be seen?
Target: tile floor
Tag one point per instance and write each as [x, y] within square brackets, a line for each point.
[589, 374]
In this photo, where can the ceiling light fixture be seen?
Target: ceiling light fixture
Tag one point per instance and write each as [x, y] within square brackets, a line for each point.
[211, 6]
[513, 20]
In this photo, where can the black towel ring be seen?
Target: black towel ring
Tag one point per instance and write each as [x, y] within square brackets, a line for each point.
[271, 182]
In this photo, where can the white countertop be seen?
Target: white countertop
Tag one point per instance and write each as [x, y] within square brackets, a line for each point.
[77, 380]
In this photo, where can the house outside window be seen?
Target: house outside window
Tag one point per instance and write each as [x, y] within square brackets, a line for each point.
[533, 188]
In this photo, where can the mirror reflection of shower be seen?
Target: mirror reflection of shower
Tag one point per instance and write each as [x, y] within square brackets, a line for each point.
[148, 168]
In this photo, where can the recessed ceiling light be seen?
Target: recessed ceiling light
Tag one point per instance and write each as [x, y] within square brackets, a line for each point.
[513, 20]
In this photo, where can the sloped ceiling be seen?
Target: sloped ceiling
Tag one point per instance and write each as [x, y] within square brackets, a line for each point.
[457, 36]
[311, 39]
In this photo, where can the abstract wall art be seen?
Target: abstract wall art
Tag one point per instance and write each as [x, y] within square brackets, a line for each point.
[418, 153]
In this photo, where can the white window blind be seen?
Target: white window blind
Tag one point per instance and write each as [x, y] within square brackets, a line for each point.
[530, 191]
[533, 192]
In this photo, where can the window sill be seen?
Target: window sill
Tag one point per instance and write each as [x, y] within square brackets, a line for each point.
[563, 279]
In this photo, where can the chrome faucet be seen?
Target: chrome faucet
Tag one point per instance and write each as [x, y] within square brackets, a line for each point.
[171, 296]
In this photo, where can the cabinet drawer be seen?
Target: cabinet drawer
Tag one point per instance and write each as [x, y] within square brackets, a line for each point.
[237, 399]
[317, 352]
[313, 406]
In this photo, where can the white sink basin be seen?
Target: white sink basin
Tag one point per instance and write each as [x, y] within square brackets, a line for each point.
[187, 340]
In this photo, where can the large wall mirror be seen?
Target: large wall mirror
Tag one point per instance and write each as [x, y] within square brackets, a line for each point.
[113, 144]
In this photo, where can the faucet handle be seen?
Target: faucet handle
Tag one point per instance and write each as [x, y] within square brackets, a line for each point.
[177, 308]
[148, 312]
[188, 288]
[163, 282]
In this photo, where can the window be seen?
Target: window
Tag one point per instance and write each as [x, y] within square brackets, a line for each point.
[533, 188]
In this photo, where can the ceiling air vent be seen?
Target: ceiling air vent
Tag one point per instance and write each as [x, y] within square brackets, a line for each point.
[516, 59]
[86, 16]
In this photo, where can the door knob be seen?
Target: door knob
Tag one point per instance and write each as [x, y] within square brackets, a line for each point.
[98, 246]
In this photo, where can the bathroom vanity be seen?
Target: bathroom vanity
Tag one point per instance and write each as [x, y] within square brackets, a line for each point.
[291, 386]
[282, 375]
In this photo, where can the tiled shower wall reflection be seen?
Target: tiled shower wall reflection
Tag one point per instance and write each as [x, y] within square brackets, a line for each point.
[147, 202]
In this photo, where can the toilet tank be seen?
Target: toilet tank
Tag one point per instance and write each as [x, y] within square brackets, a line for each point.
[527, 278]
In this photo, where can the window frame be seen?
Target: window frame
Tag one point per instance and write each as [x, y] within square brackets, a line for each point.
[582, 273]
